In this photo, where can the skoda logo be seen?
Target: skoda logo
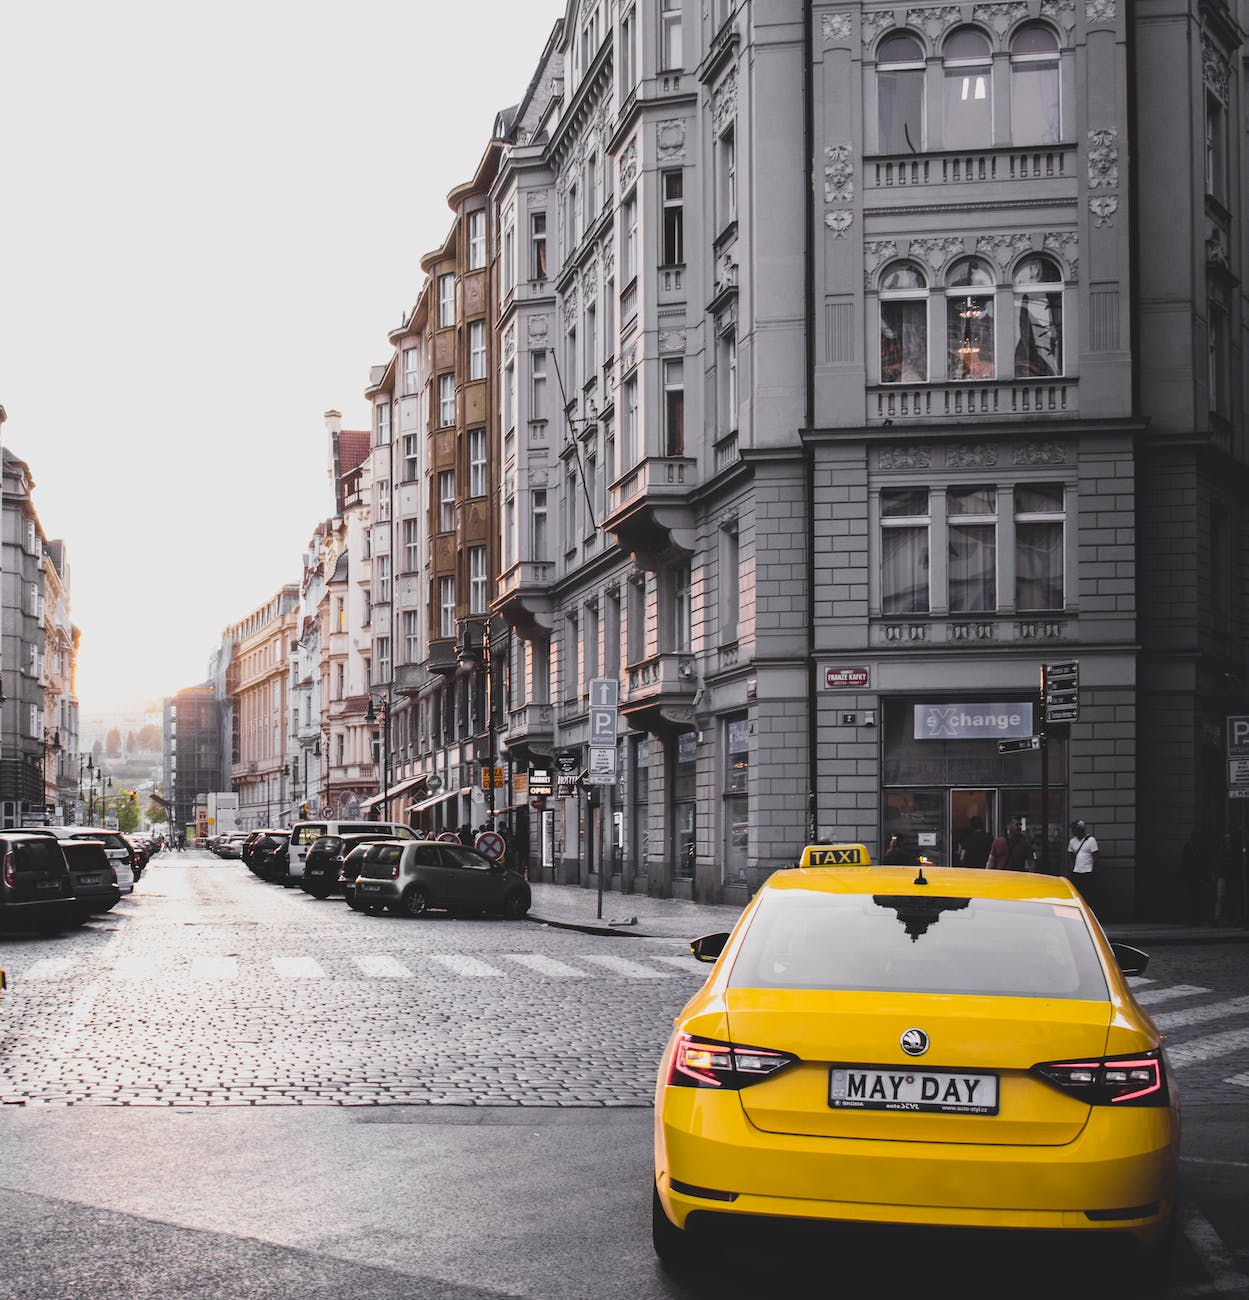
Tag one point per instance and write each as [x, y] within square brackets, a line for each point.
[915, 1042]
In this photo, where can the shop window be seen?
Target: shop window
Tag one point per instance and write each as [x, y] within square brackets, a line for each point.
[736, 798]
[900, 94]
[684, 805]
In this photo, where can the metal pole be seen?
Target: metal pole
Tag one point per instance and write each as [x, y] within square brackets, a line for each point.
[593, 802]
[489, 662]
[1045, 788]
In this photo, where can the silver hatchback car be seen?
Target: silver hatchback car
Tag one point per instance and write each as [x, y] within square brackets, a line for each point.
[411, 877]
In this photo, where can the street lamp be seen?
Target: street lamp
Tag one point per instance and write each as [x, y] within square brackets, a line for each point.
[373, 717]
[51, 744]
[481, 654]
[89, 768]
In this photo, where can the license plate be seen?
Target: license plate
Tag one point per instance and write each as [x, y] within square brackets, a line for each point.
[48, 884]
[88, 880]
[903, 1087]
[368, 889]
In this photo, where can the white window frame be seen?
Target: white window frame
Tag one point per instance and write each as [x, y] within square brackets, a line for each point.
[477, 462]
[446, 399]
[476, 240]
[477, 349]
[446, 301]
[446, 500]
[477, 580]
[446, 607]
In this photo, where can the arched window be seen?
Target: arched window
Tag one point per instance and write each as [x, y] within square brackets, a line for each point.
[1038, 318]
[903, 324]
[969, 340]
[900, 94]
[968, 62]
[1035, 109]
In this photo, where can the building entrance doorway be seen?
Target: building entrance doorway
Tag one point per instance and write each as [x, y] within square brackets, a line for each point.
[966, 807]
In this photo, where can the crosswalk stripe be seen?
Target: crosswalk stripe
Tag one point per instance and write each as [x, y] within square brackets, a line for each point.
[1217, 1260]
[1199, 1015]
[1151, 997]
[1206, 1049]
[462, 965]
[214, 968]
[545, 965]
[52, 968]
[134, 968]
[299, 968]
[685, 963]
[1135, 981]
[1240, 1080]
[623, 966]
[378, 967]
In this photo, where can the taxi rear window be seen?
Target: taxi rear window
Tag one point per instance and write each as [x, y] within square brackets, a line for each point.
[803, 939]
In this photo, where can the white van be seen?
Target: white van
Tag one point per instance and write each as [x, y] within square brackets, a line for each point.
[304, 834]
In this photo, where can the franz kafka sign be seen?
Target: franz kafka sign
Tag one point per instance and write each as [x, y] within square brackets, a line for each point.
[976, 721]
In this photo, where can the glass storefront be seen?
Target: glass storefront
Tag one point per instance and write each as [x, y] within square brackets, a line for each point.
[639, 792]
[684, 789]
[736, 799]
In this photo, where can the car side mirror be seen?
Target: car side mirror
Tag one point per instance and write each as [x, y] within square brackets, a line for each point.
[709, 947]
[1131, 960]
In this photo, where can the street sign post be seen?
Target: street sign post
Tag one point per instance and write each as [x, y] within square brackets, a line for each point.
[1060, 691]
[1019, 746]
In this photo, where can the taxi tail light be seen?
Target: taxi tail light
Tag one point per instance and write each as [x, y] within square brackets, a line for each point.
[708, 1063]
[1136, 1080]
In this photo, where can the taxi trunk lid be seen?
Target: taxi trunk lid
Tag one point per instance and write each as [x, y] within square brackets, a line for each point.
[972, 1083]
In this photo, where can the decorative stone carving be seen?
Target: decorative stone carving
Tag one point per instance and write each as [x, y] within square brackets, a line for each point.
[589, 279]
[672, 341]
[724, 102]
[837, 27]
[609, 260]
[903, 456]
[1039, 453]
[933, 21]
[570, 306]
[509, 342]
[838, 173]
[1214, 67]
[874, 22]
[1104, 209]
[1099, 11]
[1066, 245]
[876, 252]
[1216, 248]
[537, 198]
[973, 631]
[1104, 159]
[1001, 17]
[1062, 12]
[630, 357]
[670, 137]
[937, 252]
[839, 220]
[726, 272]
[1004, 248]
[539, 327]
[629, 164]
[970, 456]
[1041, 630]
[906, 632]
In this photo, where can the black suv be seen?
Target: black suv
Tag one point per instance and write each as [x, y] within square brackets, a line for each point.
[93, 877]
[35, 886]
[323, 867]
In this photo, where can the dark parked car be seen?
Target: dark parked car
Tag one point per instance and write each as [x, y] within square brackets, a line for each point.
[411, 878]
[93, 877]
[270, 855]
[139, 855]
[248, 853]
[323, 867]
[35, 886]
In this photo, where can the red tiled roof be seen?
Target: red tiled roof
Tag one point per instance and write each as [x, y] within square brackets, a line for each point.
[353, 449]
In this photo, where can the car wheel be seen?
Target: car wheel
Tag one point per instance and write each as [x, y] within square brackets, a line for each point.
[515, 906]
[672, 1244]
[415, 901]
[375, 909]
[320, 893]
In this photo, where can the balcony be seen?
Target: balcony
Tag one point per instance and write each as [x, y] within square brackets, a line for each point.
[530, 730]
[659, 693]
[1018, 399]
[442, 661]
[524, 598]
[1056, 164]
[649, 509]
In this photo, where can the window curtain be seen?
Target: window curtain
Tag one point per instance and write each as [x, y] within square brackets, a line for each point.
[904, 571]
[1038, 566]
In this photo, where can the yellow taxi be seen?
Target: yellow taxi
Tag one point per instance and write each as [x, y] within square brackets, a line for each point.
[916, 1046]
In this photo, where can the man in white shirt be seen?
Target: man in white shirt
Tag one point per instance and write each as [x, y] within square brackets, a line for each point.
[1082, 853]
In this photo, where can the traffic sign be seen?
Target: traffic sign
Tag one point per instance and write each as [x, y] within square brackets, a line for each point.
[1060, 691]
[449, 837]
[491, 844]
[1018, 746]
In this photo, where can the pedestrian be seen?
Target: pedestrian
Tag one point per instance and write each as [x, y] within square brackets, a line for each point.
[466, 835]
[505, 834]
[976, 846]
[899, 852]
[1082, 852]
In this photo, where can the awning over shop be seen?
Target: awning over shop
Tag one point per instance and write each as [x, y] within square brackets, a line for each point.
[395, 790]
[441, 797]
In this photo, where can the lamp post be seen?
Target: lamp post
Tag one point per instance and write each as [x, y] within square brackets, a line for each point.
[373, 717]
[51, 744]
[90, 771]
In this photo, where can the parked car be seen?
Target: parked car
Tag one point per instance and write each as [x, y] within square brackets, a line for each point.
[305, 834]
[250, 842]
[93, 877]
[269, 855]
[414, 877]
[323, 867]
[138, 855]
[115, 847]
[231, 846]
[36, 890]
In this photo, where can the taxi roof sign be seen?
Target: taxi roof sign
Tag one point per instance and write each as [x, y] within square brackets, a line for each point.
[836, 855]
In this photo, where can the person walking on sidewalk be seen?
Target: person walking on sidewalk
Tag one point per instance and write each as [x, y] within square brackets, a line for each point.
[977, 845]
[1082, 851]
[1012, 851]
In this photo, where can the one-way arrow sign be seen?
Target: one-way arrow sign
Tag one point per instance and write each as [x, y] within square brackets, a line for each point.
[1018, 746]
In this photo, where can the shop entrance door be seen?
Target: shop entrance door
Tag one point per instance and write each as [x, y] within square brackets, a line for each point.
[964, 805]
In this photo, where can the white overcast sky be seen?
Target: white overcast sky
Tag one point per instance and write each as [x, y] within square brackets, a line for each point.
[210, 218]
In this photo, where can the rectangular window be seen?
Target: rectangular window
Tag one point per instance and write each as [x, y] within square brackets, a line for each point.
[477, 462]
[383, 424]
[971, 526]
[537, 386]
[537, 245]
[541, 650]
[446, 301]
[476, 579]
[609, 463]
[609, 319]
[673, 242]
[383, 503]
[411, 452]
[900, 109]
[670, 59]
[411, 637]
[904, 551]
[591, 340]
[570, 506]
[611, 636]
[591, 642]
[674, 407]
[509, 396]
[446, 607]
[1039, 516]
[726, 179]
[411, 371]
[630, 449]
[572, 657]
[1218, 348]
[591, 487]
[477, 349]
[626, 48]
[903, 340]
[969, 337]
[573, 212]
[383, 659]
[590, 190]
[446, 500]
[538, 507]
[682, 612]
[411, 545]
[636, 629]
[629, 238]
[383, 579]
[509, 258]
[446, 399]
[730, 584]
[476, 240]
[571, 359]
[727, 385]
[969, 106]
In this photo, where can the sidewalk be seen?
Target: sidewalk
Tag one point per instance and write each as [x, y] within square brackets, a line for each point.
[569, 907]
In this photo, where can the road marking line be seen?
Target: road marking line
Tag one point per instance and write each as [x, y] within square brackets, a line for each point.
[1137, 980]
[1215, 1258]
[623, 966]
[214, 968]
[1241, 1081]
[52, 968]
[685, 963]
[1221, 1164]
[1151, 997]
[545, 965]
[298, 968]
[468, 966]
[1206, 1049]
[134, 968]
[383, 967]
[1199, 1015]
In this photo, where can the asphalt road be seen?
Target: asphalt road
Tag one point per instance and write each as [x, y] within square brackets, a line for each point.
[227, 1089]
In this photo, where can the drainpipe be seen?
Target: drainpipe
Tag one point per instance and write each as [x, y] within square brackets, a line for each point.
[808, 202]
